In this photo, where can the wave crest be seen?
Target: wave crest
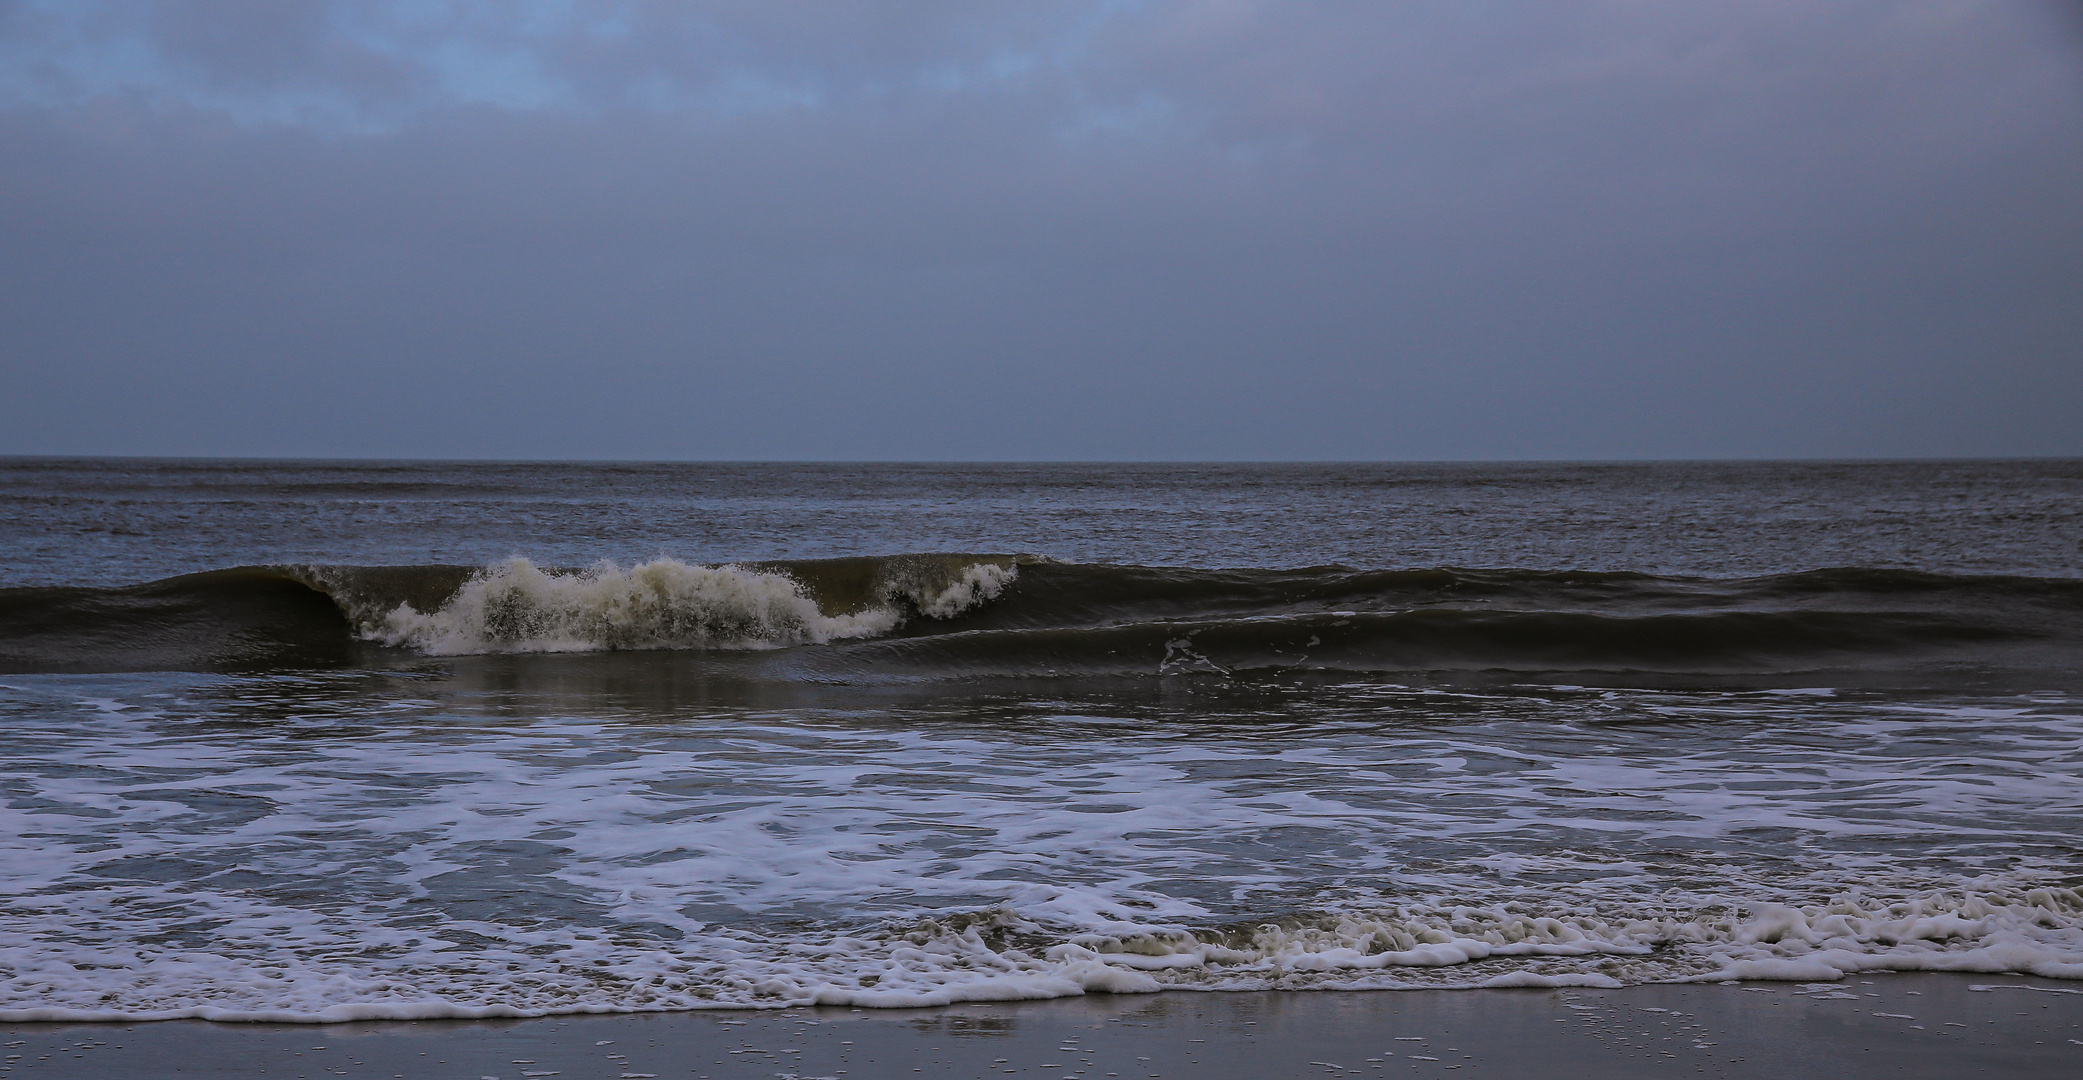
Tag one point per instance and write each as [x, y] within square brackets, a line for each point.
[516, 606]
[976, 584]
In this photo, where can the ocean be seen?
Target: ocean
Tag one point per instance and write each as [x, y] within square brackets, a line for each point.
[321, 740]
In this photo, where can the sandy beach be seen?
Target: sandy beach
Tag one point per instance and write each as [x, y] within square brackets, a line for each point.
[1919, 1025]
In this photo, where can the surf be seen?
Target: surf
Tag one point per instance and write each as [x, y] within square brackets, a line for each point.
[948, 615]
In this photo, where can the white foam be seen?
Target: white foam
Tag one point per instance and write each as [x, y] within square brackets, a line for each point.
[348, 973]
[2005, 925]
[427, 861]
[975, 585]
[515, 606]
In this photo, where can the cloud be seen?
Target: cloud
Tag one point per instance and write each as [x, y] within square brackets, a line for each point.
[378, 65]
[1102, 229]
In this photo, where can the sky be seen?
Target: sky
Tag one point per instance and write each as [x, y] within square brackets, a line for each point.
[1063, 230]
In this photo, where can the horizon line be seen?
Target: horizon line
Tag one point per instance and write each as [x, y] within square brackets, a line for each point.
[346, 459]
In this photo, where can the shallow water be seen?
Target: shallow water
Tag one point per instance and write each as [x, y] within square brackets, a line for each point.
[1095, 777]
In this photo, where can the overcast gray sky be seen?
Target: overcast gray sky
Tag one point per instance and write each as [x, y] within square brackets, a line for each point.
[1227, 229]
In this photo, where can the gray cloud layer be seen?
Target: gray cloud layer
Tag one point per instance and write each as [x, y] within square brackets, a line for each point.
[1227, 229]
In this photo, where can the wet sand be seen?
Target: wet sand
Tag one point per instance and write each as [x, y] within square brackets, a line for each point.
[1910, 1025]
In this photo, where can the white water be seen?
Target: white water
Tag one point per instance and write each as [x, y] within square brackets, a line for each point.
[515, 606]
[332, 848]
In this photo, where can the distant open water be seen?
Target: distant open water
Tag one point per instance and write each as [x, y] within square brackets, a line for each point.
[326, 741]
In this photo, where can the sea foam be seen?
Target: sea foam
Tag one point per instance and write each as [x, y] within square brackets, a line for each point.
[449, 855]
[1001, 954]
[516, 606]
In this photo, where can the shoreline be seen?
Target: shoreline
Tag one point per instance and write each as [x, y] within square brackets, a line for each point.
[1889, 1025]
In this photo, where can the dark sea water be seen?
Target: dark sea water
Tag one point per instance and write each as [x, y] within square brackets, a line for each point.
[333, 740]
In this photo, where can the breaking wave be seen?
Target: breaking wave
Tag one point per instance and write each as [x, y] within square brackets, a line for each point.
[516, 606]
[1002, 615]
[260, 617]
